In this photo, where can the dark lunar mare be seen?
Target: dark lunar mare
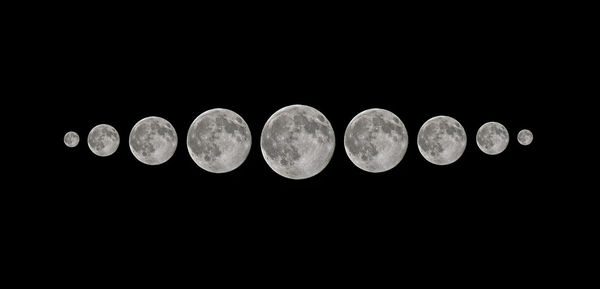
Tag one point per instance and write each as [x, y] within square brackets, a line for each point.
[211, 127]
[95, 138]
[355, 145]
[206, 126]
[288, 126]
[139, 139]
[485, 136]
[425, 140]
[281, 127]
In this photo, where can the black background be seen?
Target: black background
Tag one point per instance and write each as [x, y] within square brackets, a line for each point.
[473, 67]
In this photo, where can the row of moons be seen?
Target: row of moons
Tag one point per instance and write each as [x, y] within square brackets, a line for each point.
[297, 141]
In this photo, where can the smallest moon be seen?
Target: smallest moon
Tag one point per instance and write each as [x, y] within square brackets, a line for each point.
[71, 139]
[525, 137]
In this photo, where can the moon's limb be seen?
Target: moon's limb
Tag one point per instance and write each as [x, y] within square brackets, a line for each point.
[492, 138]
[376, 140]
[442, 140]
[219, 140]
[71, 139]
[525, 137]
[153, 140]
[297, 142]
[103, 140]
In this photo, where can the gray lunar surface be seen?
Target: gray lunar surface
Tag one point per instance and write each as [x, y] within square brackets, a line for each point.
[103, 140]
[71, 139]
[297, 142]
[525, 137]
[219, 140]
[442, 140]
[492, 138]
[376, 140]
[153, 140]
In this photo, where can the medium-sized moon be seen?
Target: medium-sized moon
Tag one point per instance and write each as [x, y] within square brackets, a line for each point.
[103, 140]
[297, 142]
[71, 139]
[376, 140]
[492, 138]
[153, 140]
[525, 137]
[442, 140]
[219, 140]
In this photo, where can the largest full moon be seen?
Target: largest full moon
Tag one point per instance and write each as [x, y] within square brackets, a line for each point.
[297, 142]
[376, 140]
[442, 140]
[219, 140]
[153, 140]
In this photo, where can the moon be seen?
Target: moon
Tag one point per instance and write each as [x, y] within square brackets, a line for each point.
[219, 140]
[297, 142]
[492, 138]
[525, 137]
[71, 139]
[153, 140]
[103, 140]
[442, 140]
[376, 140]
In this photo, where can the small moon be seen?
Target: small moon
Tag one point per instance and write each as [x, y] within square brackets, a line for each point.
[219, 140]
[153, 140]
[103, 140]
[376, 140]
[71, 139]
[525, 137]
[297, 142]
[442, 140]
[492, 138]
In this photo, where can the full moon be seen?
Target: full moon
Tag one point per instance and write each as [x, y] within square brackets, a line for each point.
[297, 142]
[71, 139]
[219, 140]
[103, 140]
[525, 137]
[492, 138]
[442, 140]
[153, 140]
[376, 140]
